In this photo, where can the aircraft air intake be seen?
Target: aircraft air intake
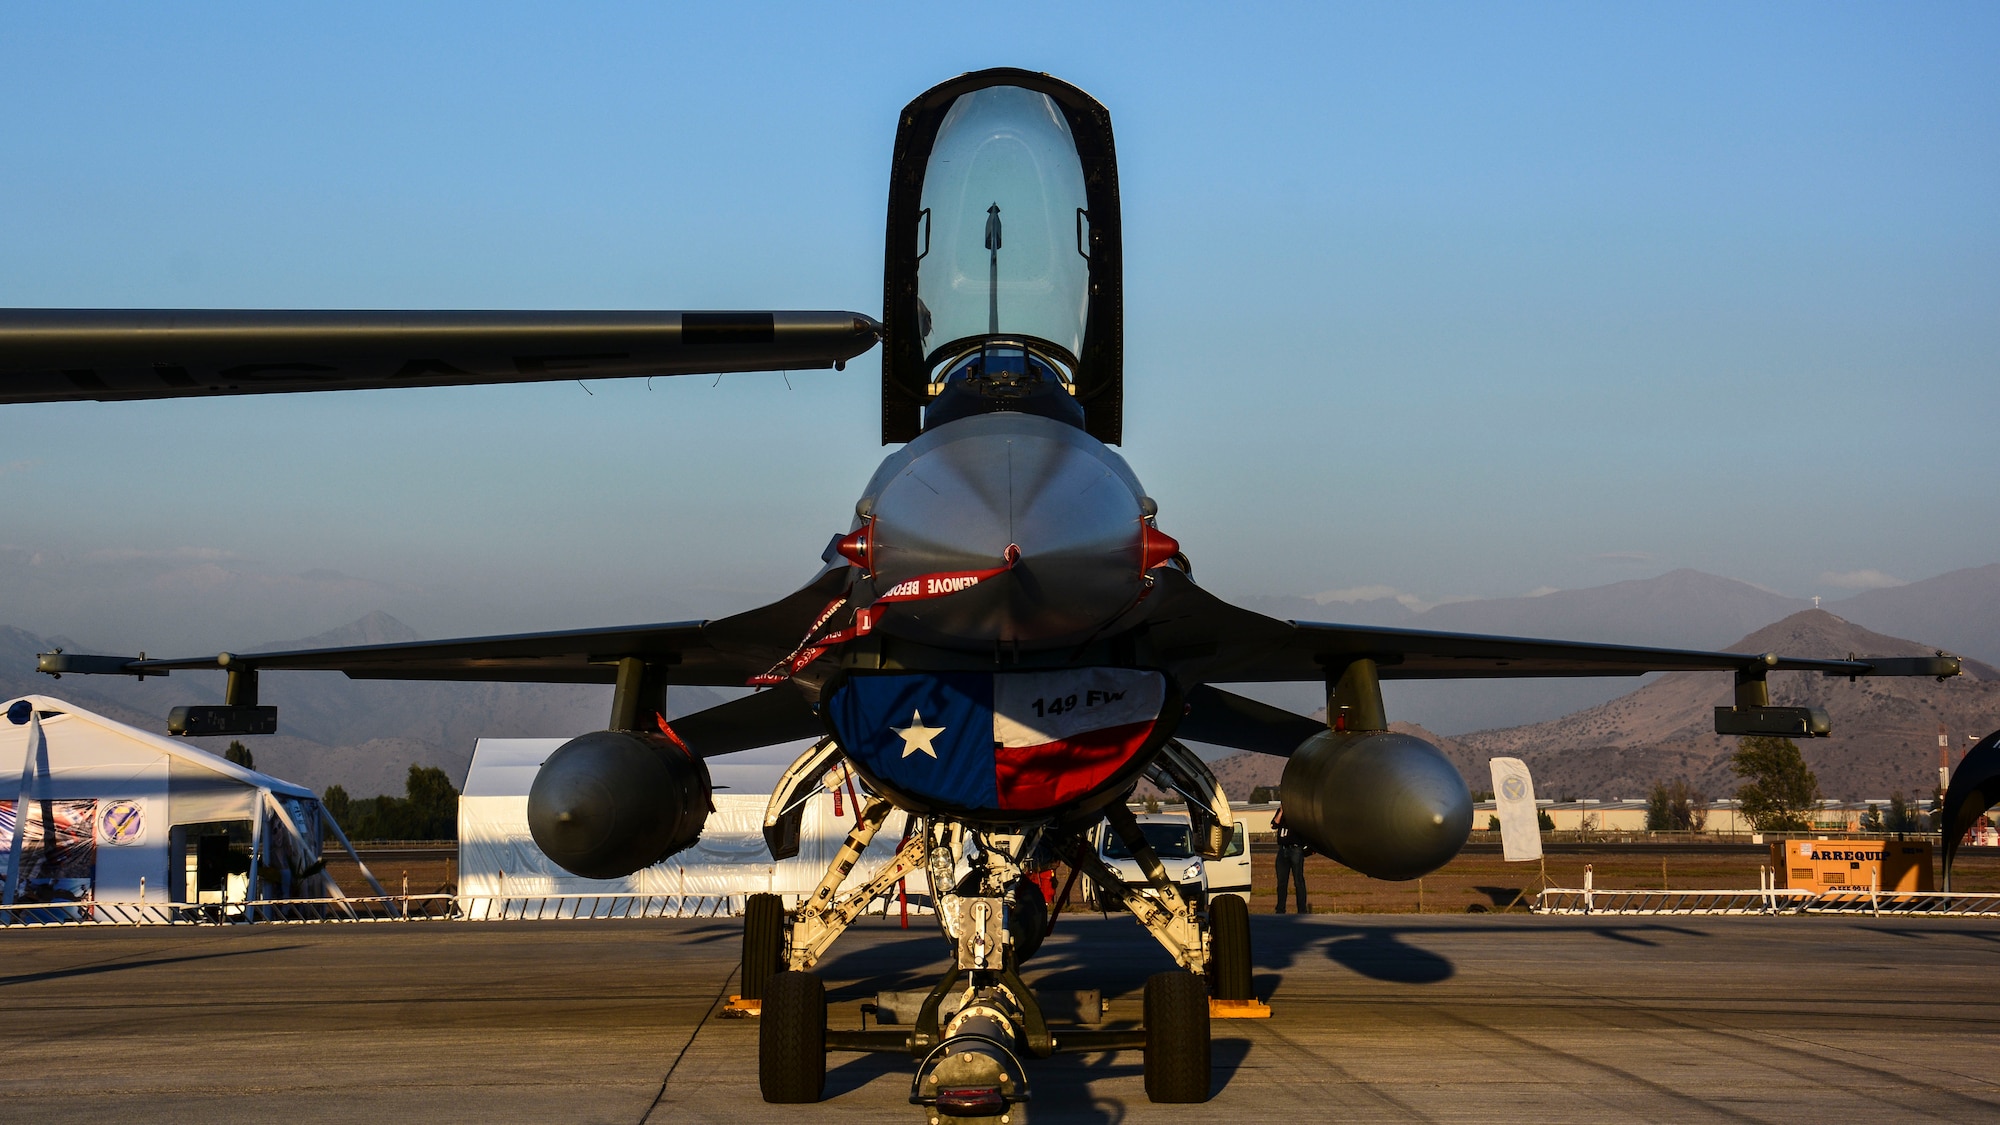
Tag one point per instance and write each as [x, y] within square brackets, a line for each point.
[1389, 805]
[608, 803]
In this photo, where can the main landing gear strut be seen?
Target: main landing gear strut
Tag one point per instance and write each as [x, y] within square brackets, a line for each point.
[978, 1028]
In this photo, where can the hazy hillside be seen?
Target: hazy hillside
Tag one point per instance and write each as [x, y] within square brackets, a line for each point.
[365, 734]
[1884, 731]
[1679, 609]
[361, 734]
[1958, 612]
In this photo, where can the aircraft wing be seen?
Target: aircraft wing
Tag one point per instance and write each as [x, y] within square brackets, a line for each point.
[64, 355]
[720, 653]
[1208, 641]
[1215, 642]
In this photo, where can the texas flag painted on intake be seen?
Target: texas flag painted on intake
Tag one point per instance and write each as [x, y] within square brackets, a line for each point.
[1018, 741]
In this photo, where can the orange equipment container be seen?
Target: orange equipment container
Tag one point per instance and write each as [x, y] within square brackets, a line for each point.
[1853, 865]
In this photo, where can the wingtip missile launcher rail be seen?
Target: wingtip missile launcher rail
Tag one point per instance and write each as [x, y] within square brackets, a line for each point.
[1754, 715]
[238, 714]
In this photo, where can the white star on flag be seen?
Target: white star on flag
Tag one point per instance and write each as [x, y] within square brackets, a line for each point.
[917, 737]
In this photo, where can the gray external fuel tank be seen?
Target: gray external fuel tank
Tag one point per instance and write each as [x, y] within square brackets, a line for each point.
[610, 802]
[1389, 805]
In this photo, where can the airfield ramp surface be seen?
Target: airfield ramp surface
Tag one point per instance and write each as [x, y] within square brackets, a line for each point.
[1378, 1018]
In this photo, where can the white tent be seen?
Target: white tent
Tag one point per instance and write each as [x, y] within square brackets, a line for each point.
[498, 859]
[109, 806]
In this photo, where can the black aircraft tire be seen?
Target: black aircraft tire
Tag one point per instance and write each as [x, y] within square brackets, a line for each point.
[1177, 1061]
[1229, 948]
[1029, 918]
[763, 943]
[791, 1039]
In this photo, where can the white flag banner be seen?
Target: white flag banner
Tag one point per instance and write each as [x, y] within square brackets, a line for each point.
[1514, 802]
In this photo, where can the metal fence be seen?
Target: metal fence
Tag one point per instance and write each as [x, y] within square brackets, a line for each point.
[540, 908]
[388, 908]
[1770, 900]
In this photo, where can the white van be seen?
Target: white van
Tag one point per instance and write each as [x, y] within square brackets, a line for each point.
[1171, 835]
[1230, 875]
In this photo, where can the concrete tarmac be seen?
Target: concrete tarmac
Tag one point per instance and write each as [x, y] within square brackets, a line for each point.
[1378, 1018]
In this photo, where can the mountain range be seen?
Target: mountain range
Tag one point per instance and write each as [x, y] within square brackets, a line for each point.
[1958, 612]
[360, 734]
[1884, 730]
[364, 735]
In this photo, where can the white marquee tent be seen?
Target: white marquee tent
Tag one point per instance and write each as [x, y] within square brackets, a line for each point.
[499, 862]
[110, 808]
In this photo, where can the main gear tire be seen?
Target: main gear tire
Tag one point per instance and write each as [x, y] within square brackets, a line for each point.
[1229, 948]
[791, 1039]
[1177, 1051]
[763, 944]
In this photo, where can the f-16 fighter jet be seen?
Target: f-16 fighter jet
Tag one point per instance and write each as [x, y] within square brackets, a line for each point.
[1001, 641]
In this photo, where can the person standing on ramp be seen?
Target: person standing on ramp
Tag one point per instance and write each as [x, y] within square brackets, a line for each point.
[1291, 861]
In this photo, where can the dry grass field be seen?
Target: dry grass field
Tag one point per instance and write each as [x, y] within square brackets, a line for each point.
[429, 869]
[1482, 880]
[1477, 879]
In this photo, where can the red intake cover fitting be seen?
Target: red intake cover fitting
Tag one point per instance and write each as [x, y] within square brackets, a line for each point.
[1155, 547]
[858, 546]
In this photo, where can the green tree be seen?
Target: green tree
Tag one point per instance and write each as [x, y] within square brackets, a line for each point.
[1544, 821]
[1675, 807]
[428, 809]
[432, 804]
[1781, 793]
[240, 754]
[339, 806]
[1902, 816]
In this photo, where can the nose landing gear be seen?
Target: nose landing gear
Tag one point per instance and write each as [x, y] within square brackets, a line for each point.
[981, 1024]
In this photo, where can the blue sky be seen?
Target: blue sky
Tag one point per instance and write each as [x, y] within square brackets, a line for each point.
[1455, 300]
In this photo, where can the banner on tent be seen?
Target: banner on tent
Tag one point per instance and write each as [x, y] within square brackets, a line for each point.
[58, 850]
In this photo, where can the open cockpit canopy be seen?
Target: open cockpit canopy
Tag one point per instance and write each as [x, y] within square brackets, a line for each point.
[1002, 267]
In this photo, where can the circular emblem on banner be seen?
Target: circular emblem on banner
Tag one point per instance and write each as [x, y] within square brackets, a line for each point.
[1513, 789]
[122, 823]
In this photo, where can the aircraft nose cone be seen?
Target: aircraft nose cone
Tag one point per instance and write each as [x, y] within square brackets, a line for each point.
[1011, 480]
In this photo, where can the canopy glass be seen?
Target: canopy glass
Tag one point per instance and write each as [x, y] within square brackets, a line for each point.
[1002, 233]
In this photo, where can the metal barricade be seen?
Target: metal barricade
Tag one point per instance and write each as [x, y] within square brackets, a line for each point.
[379, 908]
[545, 908]
[1768, 900]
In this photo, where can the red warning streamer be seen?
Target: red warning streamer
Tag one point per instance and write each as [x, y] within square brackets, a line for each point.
[921, 588]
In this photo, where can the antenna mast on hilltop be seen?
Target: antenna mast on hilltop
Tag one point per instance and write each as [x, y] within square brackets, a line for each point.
[1944, 758]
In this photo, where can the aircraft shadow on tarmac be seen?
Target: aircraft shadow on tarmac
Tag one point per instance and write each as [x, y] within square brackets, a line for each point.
[121, 966]
[1115, 957]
